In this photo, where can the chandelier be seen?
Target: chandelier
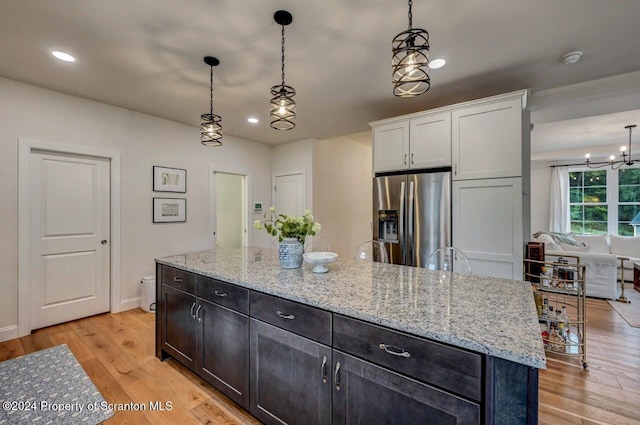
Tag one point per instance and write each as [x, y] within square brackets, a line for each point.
[410, 62]
[211, 124]
[626, 157]
[282, 105]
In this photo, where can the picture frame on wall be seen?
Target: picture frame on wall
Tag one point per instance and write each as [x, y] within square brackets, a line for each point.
[169, 210]
[167, 179]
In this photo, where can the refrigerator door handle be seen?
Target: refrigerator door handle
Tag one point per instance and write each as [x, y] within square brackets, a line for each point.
[403, 249]
[410, 227]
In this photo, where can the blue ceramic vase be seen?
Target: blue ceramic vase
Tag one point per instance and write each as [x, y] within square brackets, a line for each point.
[290, 252]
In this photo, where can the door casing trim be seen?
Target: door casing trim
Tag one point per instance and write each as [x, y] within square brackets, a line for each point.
[25, 147]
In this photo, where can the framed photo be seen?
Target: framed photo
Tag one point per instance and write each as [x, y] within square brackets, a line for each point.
[169, 210]
[167, 179]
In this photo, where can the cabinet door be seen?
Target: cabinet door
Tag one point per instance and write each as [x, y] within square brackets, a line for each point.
[430, 141]
[179, 325]
[367, 394]
[487, 141]
[223, 350]
[290, 380]
[391, 147]
[487, 225]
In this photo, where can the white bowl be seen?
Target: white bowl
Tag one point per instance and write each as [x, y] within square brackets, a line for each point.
[320, 260]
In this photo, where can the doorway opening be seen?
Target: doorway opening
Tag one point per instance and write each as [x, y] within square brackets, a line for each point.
[229, 209]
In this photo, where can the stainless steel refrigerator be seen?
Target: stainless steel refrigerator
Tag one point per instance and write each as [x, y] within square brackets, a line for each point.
[412, 215]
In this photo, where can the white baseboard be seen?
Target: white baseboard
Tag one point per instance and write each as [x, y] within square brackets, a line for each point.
[9, 332]
[129, 304]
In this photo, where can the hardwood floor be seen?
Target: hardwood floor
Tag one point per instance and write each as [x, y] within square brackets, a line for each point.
[117, 352]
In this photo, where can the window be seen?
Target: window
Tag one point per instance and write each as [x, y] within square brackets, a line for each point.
[604, 200]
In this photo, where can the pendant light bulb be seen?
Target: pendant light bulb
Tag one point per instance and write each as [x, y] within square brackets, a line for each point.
[211, 124]
[282, 105]
[410, 61]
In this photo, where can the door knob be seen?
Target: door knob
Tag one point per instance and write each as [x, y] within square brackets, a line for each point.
[103, 242]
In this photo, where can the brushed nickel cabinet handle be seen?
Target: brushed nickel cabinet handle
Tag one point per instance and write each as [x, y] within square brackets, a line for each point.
[412, 159]
[198, 314]
[455, 169]
[394, 351]
[193, 316]
[336, 376]
[219, 294]
[323, 369]
[285, 316]
[405, 159]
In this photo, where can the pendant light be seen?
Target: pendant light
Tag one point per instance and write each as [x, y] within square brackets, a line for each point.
[211, 124]
[410, 61]
[283, 106]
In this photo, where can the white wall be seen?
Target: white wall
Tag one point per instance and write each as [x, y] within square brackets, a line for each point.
[38, 114]
[342, 190]
[295, 156]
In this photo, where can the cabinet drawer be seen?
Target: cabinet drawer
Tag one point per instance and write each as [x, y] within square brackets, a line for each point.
[225, 294]
[446, 367]
[180, 279]
[304, 320]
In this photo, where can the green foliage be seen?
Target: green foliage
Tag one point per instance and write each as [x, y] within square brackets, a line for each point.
[285, 226]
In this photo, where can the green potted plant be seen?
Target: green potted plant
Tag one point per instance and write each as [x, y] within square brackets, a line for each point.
[291, 232]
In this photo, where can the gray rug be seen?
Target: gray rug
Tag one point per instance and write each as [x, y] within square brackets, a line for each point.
[49, 387]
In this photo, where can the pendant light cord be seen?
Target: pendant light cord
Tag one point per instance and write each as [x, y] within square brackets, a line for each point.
[211, 91]
[410, 15]
[283, 56]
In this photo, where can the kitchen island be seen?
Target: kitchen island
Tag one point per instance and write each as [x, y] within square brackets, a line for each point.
[363, 342]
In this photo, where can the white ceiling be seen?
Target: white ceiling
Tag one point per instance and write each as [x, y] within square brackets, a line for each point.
[146, 55]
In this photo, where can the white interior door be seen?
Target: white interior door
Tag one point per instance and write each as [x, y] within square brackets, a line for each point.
[289, 194]
[230, 210]
[70, 231]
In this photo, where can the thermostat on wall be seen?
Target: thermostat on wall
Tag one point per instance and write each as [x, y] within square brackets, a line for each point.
[257, 208]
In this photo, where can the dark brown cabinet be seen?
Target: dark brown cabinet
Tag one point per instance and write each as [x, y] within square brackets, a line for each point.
[203, 333]
[223, 353]
[290, 377]
[178, 325]
[364, 393]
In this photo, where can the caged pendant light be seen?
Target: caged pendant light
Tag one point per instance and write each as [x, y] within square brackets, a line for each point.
[211, 124]
[410, 61]
[282, 105]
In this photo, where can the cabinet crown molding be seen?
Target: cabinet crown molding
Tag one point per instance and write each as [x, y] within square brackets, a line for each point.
[519, 94]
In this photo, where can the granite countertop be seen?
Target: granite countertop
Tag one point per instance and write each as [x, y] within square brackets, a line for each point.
[488, 315]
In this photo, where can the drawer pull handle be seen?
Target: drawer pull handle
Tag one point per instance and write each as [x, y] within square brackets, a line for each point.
[193, 316]
[394, 351]
[323, 369]
[285, 316]
[198, 314]
[219, 294]
[177, 279]
[336, 376]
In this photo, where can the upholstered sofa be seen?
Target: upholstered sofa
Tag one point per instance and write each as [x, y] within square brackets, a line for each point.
[601, 254]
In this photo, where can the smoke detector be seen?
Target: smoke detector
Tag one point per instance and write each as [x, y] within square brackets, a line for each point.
[571, 57]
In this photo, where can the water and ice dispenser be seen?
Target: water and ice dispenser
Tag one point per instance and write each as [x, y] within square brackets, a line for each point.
[388, 226]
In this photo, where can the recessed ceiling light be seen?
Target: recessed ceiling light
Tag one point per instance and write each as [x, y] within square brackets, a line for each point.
[571, 57]
[252, 120]
[437, 63]
[63, 56]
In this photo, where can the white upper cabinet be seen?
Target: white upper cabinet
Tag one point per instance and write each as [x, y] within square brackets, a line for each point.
[430, 141]
[391, 147]
[487, 140]
[423, 142]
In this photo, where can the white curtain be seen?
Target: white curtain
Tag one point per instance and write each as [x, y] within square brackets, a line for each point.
[559, 219]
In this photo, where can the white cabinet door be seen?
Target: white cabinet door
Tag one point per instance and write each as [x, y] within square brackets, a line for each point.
[487, 225]
[391, 147]
[430, 141]
[487, 141]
